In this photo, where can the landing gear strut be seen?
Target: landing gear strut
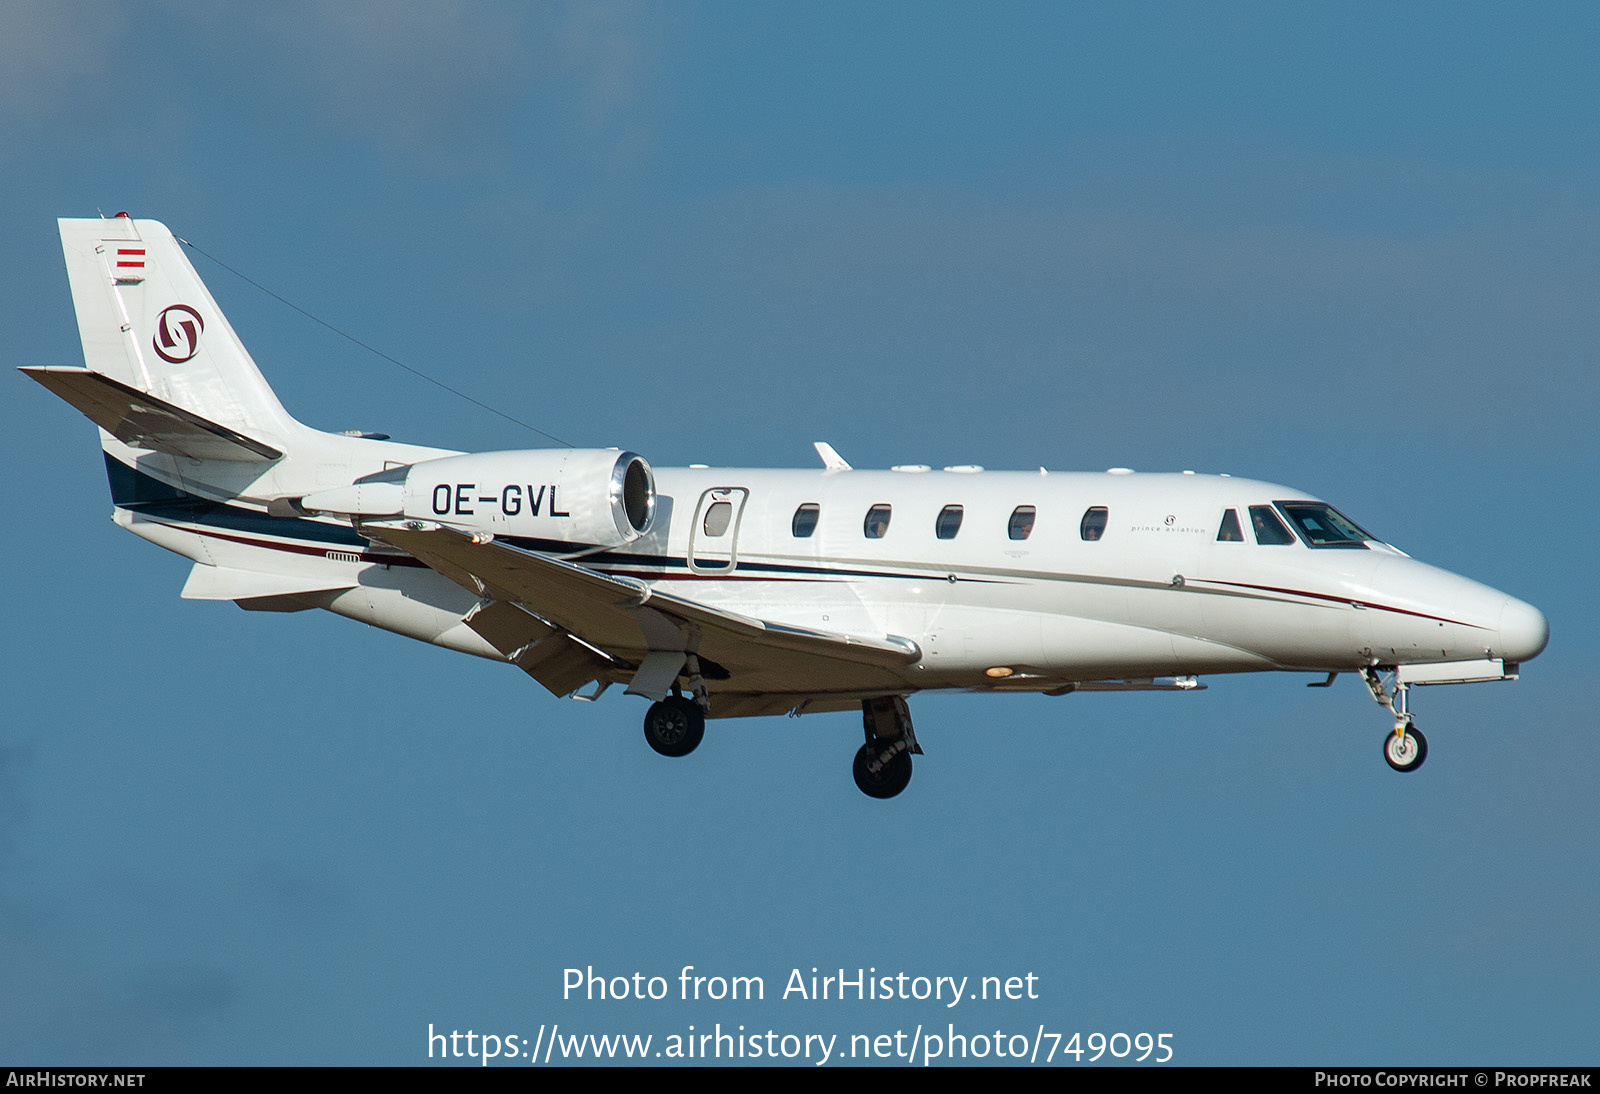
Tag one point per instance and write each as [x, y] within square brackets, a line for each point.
[882, 767]
[1406, 747]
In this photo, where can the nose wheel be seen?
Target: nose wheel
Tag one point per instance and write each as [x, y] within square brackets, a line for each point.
[1405, 750]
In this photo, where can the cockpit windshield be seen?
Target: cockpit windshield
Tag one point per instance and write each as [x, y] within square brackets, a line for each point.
[1322, 525]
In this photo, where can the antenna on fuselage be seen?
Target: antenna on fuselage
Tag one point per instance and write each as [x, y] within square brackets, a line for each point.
[831, 460]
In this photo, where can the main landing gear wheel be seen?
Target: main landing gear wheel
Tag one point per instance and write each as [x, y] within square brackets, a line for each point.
[889, 779]
[1407, 753]
[674, 726]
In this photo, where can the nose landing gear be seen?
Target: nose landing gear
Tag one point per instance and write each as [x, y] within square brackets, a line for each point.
[1405, 748]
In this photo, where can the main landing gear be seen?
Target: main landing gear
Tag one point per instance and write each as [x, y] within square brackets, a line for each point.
[882, 767]
[674, 726]
[1406, 747]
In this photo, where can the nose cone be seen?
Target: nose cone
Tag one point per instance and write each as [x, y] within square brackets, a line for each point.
[1524, 631]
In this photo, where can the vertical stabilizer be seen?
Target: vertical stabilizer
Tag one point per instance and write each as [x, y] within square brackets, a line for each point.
[147, 321]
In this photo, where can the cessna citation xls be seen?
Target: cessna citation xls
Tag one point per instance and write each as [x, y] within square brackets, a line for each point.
[725, 593]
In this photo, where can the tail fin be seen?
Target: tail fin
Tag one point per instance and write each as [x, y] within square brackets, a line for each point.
[148, 323]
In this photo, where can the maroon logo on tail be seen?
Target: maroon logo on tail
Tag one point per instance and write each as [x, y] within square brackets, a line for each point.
[177, 335]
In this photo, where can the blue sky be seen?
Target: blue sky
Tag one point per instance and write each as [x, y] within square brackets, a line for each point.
[1346, 247]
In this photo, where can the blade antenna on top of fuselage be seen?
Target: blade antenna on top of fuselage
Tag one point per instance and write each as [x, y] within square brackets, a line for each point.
[830, 458]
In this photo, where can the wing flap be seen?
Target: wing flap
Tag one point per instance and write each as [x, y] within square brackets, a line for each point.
[144, 421]
[540, 649]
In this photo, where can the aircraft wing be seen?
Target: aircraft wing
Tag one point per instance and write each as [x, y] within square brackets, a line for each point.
[567, 624]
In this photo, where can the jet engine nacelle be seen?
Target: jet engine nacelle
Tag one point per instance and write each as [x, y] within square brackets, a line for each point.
[578, 496]
[594, 497]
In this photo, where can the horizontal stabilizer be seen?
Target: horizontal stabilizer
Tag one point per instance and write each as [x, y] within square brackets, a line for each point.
[223, 583]
[143, 421]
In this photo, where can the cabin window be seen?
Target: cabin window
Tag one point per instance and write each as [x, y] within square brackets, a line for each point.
[1229, 531]
[1093, 525]
[718, 516]
[805, 520]
[949, 522]
[877, 522]
[1322, 525]
[1020, 526]
[1269, 530]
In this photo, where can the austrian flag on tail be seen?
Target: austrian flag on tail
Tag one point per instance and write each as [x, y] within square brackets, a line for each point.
[126, 260]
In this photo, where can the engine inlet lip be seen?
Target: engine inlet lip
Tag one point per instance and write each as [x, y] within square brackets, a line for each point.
[626, 505]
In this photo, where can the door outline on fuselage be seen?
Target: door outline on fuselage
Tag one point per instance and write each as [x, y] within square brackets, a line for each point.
[700, 543]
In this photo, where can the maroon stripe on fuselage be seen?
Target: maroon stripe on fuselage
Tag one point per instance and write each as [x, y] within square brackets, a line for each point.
[646, 575]
[407, 560]
[301, 548]
[1344, 600]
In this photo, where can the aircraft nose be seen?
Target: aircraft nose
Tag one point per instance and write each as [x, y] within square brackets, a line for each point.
[1524, 631]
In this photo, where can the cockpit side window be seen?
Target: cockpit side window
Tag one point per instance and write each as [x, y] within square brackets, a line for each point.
[1093, 525]
[805, 520]
[1020, 526]
[1269, 530]
[1228, 531]
[1322, 525]
[949, 522]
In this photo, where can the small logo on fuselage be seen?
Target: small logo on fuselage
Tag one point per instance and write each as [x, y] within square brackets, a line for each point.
[177, 336]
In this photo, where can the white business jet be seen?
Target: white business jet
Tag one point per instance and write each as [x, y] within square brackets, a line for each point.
[725, 593]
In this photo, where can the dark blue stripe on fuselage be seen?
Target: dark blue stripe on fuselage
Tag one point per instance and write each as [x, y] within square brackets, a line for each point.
[745, 567]
[138, 492]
